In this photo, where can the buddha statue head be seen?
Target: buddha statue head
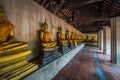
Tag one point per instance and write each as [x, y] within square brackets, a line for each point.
[44, 26]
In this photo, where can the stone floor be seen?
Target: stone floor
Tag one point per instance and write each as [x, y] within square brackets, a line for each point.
[89, 64]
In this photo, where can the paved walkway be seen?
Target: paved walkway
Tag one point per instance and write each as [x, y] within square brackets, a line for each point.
[89, 64]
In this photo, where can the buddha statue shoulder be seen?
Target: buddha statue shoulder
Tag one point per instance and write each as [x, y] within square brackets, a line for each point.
[45, 37]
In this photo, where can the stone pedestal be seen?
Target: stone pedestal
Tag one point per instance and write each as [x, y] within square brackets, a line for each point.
[13, 61]
[64, 48]
[48, 55]
[48, 71]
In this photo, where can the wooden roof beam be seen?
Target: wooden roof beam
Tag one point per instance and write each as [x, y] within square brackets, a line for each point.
[88, 19]
[110, 9]
[77, 4]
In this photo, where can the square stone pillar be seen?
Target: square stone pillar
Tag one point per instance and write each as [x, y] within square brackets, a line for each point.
[115, 40]
[101, 32]
[99, 39]
[104, 40]
[107, 40]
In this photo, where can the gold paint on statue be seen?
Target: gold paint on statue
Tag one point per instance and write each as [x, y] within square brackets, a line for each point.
[68, 37]
[60, 36]
[6, 30]
[72, 35]
[13, 55]
[45, 37]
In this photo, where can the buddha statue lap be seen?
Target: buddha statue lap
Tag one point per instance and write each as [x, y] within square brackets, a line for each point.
[45, 37]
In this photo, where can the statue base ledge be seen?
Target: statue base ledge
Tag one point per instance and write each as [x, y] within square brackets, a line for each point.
[48, 55]
[64, 48]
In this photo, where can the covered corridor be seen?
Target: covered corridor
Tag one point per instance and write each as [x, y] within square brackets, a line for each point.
[89, 64]
[50, 39]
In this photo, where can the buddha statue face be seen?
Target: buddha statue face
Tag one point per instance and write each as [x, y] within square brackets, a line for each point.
[46, 28]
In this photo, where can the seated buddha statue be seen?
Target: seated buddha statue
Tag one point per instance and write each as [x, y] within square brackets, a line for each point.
[93, 39]
[60, 36]
[67, 36]
[72, 36]
[75, 36]
[81, 37]
[6, 30]
[45, 37]
[87, 38]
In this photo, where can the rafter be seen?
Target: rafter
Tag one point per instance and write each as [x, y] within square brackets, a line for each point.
[77, 4]
[110, 9]
[92, 19]
[64, 15]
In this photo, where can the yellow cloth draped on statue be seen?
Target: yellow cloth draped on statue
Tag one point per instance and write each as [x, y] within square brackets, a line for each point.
[45, 37]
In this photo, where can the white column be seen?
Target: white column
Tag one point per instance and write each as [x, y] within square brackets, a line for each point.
[101, 31]
[107, 40]
[99, 39]
[104, 40]
[115, 40]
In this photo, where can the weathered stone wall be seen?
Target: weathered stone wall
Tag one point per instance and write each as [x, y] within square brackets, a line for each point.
[27, 16]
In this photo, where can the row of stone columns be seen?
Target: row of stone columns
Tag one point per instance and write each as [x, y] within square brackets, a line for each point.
[109, 40]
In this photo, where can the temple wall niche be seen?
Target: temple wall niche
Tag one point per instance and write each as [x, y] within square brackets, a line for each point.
[27, 16]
